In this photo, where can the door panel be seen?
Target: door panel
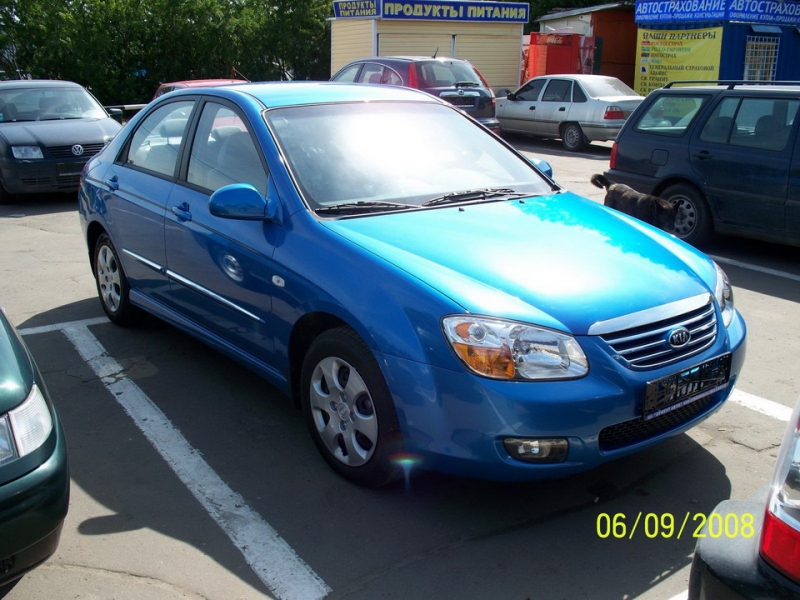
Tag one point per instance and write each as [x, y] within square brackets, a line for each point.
[221, 269]
[745, 165]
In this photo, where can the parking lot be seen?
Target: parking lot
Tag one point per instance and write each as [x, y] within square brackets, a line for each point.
[193, 478]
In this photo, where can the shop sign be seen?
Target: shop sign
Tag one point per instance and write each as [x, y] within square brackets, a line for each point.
[356, 9]
[433, 10]
[778, 12]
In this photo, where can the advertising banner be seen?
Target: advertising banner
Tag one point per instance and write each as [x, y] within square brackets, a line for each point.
[775, 12]
[669, 55]
[434, 10]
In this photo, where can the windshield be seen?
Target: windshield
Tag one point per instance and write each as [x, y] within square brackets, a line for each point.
[403, 153]
[44, 104]
[606, 86]
[438, 73]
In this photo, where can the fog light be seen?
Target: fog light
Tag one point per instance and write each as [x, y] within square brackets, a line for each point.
[547, 450]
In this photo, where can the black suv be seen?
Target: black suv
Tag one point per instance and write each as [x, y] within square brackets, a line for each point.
[726, 151]
[451, 79]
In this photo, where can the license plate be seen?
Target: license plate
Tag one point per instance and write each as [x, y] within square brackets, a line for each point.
[675, 391]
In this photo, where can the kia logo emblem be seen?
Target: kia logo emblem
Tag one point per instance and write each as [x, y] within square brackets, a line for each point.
[679, 337]
[77, 149]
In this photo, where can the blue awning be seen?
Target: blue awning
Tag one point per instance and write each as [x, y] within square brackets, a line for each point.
[765, 29]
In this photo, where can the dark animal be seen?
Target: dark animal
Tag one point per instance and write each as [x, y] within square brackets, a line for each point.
[650, 209]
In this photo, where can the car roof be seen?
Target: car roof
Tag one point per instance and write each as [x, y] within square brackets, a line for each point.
[275, 94]
[203, 82]
[410, 58]
[34, 83]
[576, 76]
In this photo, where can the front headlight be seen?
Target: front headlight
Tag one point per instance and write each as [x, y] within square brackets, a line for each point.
[25, 428]
[503, 349]
[26, 152]
[724, 295]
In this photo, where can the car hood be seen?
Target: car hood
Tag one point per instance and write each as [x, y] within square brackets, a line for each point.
[16, 369]
[559, 260]
[60, 132]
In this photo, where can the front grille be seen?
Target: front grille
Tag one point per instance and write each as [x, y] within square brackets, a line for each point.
[35, 181]
[69, 182]
[631, 432]
[66, 151]
[647, 346]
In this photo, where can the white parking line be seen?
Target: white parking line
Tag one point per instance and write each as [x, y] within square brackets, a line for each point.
[272, 559]
[752, 267]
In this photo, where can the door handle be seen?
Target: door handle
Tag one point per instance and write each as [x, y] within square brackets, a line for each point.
[532, 108]
[113, 183]
[562, 109]
[702, 155]
[182, 212]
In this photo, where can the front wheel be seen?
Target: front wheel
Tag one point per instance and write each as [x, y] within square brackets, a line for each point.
[693, 221]
[112, 285]
[349, 410]
[572, 137]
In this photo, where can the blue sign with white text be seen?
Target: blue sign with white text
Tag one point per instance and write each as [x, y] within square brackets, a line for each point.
[776, 12]
[433, 10]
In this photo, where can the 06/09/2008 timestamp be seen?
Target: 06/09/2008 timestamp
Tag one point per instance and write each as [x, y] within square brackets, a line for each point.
[667, 526]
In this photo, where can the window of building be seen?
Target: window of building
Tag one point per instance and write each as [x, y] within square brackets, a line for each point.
[760, 58]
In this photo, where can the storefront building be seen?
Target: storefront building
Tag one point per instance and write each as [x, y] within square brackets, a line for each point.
[751, 40]
[488, 34]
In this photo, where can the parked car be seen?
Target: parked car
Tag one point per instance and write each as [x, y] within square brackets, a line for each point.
[723, 151]
[578, 109]
[34, 470]
[455, 80]
[48, 130]
[749, 549]
[417, 286]
[165, 88]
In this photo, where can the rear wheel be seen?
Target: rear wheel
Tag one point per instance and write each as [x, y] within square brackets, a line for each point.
[693, 222]
[349, 410]
[572, 137]
[112, 285]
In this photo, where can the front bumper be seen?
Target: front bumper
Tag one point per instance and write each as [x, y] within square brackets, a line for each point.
[32, 512]
[456, 423]
[42, 176]
[728, 568]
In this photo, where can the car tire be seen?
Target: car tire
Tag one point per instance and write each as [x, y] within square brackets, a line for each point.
[572, 137]
[693, 224]
[112, 284]
[349, 410]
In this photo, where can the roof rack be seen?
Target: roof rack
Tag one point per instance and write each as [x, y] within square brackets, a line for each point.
[729, 83]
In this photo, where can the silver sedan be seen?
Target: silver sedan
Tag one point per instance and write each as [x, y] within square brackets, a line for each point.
[578, 109]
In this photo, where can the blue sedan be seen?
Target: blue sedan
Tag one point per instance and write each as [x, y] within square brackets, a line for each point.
[422, 291]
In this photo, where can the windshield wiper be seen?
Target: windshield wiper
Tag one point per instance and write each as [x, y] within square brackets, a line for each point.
[469, 195]
[363, 206]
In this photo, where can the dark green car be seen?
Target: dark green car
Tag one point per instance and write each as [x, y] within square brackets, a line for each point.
[34, 473]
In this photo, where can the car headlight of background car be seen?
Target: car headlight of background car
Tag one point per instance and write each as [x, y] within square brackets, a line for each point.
[25, 428]
[26, 152]
[724, 295]
[503, 349]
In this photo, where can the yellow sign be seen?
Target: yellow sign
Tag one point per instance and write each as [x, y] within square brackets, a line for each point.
[677, 54]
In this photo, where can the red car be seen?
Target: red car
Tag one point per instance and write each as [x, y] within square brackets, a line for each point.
[191, 83]
[451, 79]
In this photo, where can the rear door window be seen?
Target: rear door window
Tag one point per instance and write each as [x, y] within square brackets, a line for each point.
[156, 142]
[558, 90]
[671, 115]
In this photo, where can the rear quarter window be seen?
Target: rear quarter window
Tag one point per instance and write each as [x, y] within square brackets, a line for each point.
[671, 115]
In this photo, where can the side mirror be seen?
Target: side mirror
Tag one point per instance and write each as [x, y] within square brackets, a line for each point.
[116, 114]
[511, 96]
[541, 164]
[243, 202]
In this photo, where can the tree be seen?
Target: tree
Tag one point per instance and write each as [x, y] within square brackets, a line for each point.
[122, 49]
